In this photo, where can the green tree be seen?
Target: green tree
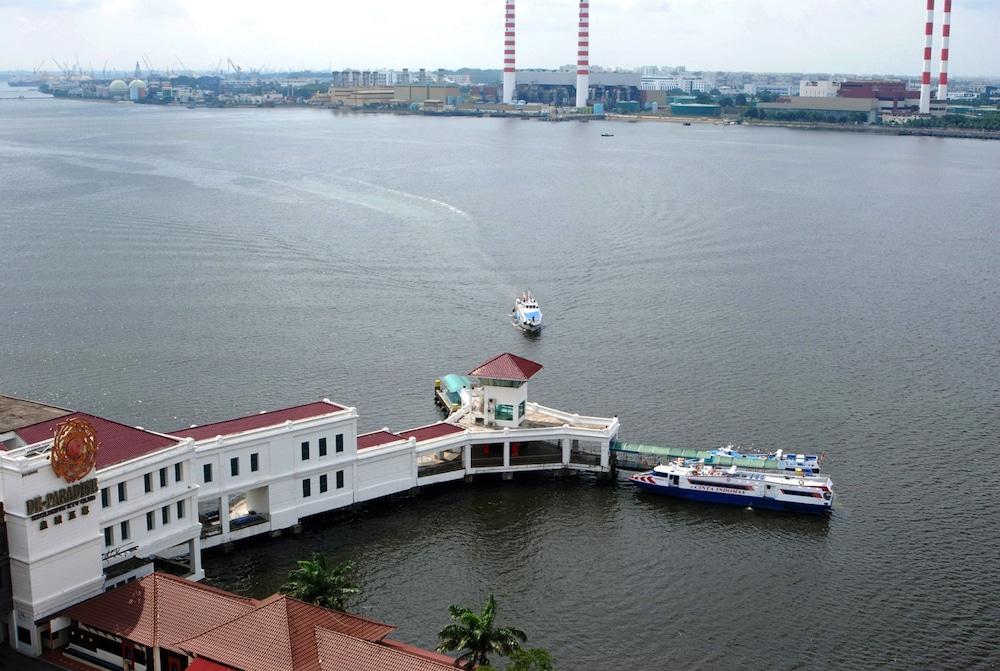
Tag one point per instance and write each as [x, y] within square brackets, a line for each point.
[316, 583]
[532, 659]
[476, 636]
[740, 100]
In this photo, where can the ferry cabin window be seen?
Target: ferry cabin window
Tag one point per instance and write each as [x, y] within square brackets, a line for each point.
[234, 466]
[254, 462]
[122, 494]
[125, 534]
[150, 520]
[322, 447]
[305, 451]
[306, 488]
[105, 497]
[180, 509]
[340, 479]
[340, 442]
[147, 482]
[165, 514]
[178, 472]
[322, 483]
[163, 477]
[206, 473]
[109, 536]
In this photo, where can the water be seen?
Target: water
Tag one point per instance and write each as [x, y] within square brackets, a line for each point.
[827, 292]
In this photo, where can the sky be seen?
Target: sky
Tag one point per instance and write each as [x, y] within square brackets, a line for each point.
[832, 36]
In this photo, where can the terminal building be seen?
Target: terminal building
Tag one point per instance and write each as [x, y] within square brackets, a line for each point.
[90, 504]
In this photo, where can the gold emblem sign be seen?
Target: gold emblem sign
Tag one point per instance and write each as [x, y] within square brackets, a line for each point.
[74, 450]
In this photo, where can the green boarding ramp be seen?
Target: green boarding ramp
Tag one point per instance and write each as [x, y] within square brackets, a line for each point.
[654, 453]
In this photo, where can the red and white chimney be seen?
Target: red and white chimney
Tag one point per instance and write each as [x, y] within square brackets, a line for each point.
[509, 76]
[583, 56]
[925, 81]
[946, 33]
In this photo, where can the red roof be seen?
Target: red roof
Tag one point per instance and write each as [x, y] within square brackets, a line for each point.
[343, 653]
[280, 635]
[160, 609]
[430, 431]
[118, 442]
[376, 438]
[202, 664]
[419, 652]
[258, 421]
[507, 366]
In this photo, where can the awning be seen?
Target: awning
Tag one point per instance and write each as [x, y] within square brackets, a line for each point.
[202, 664]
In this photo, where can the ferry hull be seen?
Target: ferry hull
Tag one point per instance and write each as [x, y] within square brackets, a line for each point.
[741, 500]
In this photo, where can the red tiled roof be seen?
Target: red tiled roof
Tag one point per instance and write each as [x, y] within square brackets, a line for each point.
[419, 652]
[202, 664]
[344, 653]
[160, 609]
[280, 636]
[118, 442]
[507, 366]
[430, 431]
[376, 438]
[258, 421]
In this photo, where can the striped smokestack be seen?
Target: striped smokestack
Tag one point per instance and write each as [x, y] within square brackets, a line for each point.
[946, 33]
[583, 56]
[925, 81]
[509, 77]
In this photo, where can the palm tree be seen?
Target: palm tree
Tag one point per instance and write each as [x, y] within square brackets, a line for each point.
[316, 583]
[475, 635]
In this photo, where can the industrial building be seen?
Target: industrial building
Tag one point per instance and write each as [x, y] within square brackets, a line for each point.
[832, 107]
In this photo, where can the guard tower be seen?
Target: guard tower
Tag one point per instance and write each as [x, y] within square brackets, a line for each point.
[502, 395]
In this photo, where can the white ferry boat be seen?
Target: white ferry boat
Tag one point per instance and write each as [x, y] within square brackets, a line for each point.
[776, 491]
[526, 315]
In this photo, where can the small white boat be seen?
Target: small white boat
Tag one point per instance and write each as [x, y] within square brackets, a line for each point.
[526, 315]
[777, 491]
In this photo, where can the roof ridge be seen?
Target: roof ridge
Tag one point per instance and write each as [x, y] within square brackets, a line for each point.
[337, 612]
[203, 587]
[325, 401]
[257, 607]
[76, 413]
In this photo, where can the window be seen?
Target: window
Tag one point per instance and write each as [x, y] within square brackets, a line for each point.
[122, 494]
[322, 447]
[109, 537]
[178, 472]
[305, 451]
[124, 526]
[306, 488]
[504, 412]
[234, 466]
[206, 473]
[163, 477]
[180, 509]
[150, 521]
[105, 497]
[322, 483]
[254, 462]
[340, 442]
[147, 482]
[340, 479]
[165, 514]
[24, 635]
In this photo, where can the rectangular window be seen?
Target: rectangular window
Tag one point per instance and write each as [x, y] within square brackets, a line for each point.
[125, 535]
[322, 483]
[163, 477]
[24, 635]
[254, 462]
[178, 472]
[306, 488]
[147, 482]
[121, 492]
[206, 473]
[340, 442]
[504, 412]
[305, 451]
[105, 497]
[340, 479]
[322, 447]
[150, 520]
[234, 466]
[165, 514]
[109, 537]
[180, 509]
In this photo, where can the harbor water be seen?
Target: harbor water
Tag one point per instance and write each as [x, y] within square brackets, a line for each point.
[817, 292]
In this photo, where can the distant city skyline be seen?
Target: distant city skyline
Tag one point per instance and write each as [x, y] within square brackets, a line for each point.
[850, 36]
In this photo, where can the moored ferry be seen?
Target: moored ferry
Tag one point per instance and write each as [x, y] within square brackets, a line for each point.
[775, 491]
